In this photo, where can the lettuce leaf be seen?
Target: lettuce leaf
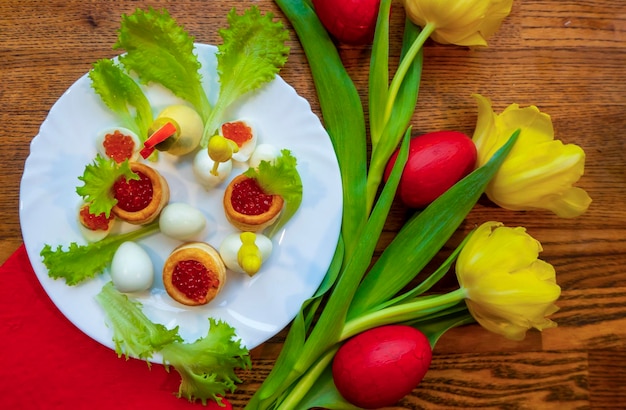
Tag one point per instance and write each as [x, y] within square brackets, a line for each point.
[252, 53]
[206, 366]
[133, 333]
[78, 263]
[161, 51]
[122, 95]
[280, 178]
[98, 179]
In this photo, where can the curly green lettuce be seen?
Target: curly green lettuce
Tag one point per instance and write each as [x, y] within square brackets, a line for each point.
[98, 179]
[280, 177]
[122, 95]
[159, 50]
[133, 334]
[207, 366]
[78, 263]
[252, 52]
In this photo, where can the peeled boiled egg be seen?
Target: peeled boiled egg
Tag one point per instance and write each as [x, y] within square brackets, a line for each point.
[190, 127]
[118, 143]
[202, 166]
[231, 247]
[243, 133]
[181, 221]
[131, 268]
[263, 152]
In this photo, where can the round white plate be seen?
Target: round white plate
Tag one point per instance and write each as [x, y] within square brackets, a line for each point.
[257, 307]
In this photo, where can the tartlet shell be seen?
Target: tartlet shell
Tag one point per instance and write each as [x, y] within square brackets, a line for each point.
[160, 197]
[207, 256]
[250, 223]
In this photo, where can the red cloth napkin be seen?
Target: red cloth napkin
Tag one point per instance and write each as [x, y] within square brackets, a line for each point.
[48, 363]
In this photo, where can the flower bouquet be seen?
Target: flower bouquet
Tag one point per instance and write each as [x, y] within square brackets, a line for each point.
[502, 283]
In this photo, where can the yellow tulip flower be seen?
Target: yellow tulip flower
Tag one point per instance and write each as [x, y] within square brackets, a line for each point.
[539, 172]
[508, 290]
[460, 22]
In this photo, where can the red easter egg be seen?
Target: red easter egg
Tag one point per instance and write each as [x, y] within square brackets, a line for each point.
[380, 366]
[349, 21]
[436, 161]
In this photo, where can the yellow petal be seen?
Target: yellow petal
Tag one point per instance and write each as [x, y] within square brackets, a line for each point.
[539, 172]
[486, 144]
[498, 11]
[510, 249]
[460, 22]
[571, 203]
[511, 329]
[511, 290]
[508, 289]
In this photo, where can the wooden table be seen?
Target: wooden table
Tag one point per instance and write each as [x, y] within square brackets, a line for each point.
[568, 58]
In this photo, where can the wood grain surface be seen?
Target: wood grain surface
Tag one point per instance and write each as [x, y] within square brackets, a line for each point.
[566, 57]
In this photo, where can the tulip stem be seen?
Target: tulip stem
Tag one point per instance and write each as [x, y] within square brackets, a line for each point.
[406, 62]
[403, 312]
[305, 383]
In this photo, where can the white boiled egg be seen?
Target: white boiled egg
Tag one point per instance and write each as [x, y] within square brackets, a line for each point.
[190, 126]
[135, 144]
[263, 152]
[244, 134]
[181, 221]
[230, 246]
[131, 269]
[202, 166]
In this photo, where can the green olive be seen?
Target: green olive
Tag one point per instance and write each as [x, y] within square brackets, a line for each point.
[167, 143]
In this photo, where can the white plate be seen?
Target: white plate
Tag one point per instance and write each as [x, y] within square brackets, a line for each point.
[257, 307]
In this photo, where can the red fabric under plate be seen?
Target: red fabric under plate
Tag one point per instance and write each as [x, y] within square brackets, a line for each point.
[48, 363]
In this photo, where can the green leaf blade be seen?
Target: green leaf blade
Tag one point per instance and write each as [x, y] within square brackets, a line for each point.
[253, 51]
[78, 263]
[134, 334]
[159, 50]
[98, 180]
[342, 113]
[423, 236]
[378, 83]
[122, 95]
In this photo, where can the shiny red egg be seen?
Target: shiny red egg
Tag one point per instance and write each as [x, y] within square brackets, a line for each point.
[437, 161]
[380, 366]
[349, 21]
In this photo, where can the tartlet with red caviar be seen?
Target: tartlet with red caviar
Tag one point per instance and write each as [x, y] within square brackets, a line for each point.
[194, 274]
[140, 201]
[248, 207]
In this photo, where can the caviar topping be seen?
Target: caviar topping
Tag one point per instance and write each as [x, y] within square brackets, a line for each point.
[193, 279]
[118, 146]
[94, 222]
[237, 131]
[249, 199]
[133, 195]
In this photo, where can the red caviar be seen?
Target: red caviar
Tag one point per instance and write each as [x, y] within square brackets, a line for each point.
[135, 194]
[118, 146]
[94, 222]
[193, 279]
[249, 199]
[237, 131]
